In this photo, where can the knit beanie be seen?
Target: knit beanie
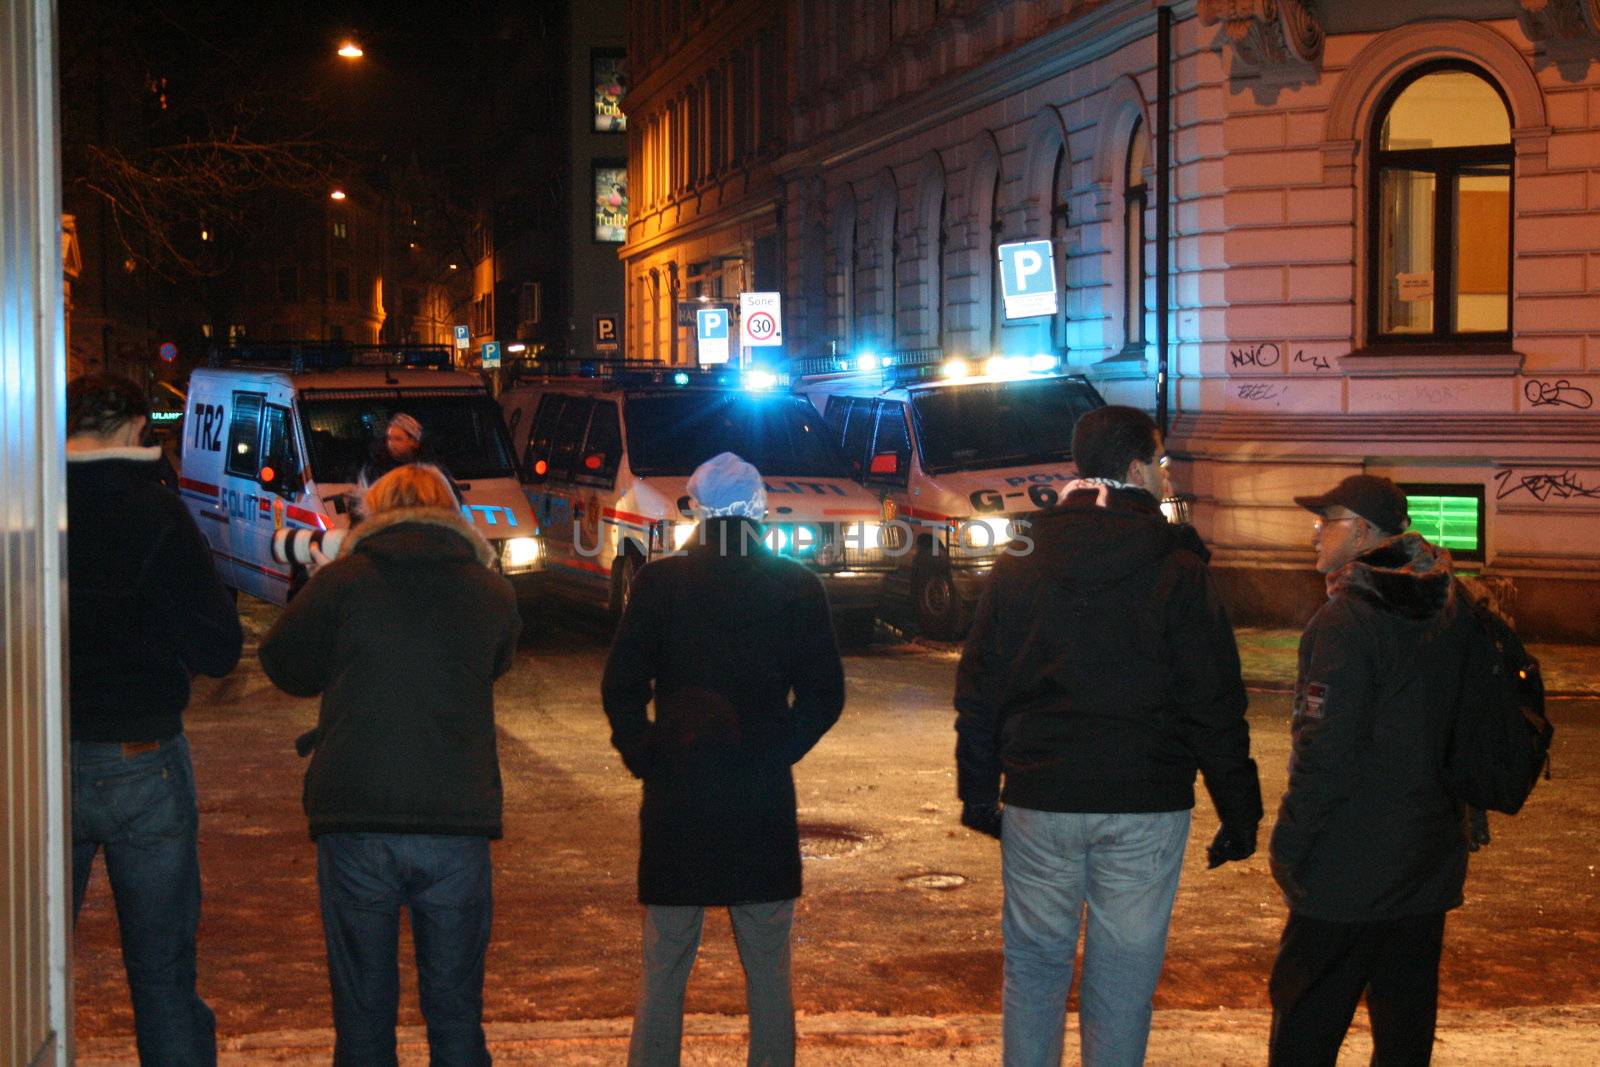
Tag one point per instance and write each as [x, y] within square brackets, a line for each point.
[727, 485]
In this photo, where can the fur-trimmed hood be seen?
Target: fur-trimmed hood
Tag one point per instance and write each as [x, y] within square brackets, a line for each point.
[430, 519]
[133, 453]
[1404, 575]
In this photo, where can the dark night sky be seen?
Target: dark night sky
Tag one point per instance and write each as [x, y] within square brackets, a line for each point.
[426, 84]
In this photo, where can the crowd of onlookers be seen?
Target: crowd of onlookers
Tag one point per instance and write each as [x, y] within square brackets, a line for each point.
[1099, 679]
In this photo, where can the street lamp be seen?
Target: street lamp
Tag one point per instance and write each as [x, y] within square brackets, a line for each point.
[351, 50]
[337, 194]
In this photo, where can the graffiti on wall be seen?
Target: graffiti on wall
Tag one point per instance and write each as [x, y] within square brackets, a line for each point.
[1546, 486]
[1559, 393]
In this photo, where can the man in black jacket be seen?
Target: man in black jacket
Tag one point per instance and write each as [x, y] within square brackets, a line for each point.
[1369, 849]
[1100, 674]
[146, 611]
[720, 637]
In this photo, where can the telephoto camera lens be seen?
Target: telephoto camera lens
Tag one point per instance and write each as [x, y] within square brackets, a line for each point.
[292, 545]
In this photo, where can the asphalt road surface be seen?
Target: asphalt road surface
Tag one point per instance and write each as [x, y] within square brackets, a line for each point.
[899, 920]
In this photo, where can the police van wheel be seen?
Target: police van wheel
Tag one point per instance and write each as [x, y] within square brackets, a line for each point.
[941, 613]
[855, 628]
[623, 571]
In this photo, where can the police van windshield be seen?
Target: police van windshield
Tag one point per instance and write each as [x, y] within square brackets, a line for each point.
[462, 434]
[782, 435]
[999, 424]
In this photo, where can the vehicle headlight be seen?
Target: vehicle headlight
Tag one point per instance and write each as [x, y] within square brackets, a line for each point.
[522, 552]
[805, 538]
[866, 536]
[986, 533]
[682, 534]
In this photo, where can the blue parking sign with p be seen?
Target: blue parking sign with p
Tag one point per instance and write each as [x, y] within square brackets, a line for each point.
[1028, 278]
[712, 323]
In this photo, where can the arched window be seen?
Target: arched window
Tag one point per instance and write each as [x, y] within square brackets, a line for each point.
[1133, 205]
[1439, 209]
[996, 297]
[1060, 183]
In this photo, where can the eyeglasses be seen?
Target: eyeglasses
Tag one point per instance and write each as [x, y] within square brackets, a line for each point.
[1319, 522]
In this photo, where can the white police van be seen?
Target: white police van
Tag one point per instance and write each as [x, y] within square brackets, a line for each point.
[955, 451]
[606, 450]
[275, 436]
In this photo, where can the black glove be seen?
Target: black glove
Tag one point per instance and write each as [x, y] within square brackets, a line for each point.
[984, 818]
[1477, 829]
[1231, 843]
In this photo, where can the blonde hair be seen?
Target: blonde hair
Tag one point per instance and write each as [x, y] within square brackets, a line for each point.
[413, 485]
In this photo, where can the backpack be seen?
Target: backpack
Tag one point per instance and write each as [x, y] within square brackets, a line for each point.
[1500, 739]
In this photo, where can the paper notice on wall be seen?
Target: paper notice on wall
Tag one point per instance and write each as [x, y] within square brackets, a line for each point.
[1416, 286]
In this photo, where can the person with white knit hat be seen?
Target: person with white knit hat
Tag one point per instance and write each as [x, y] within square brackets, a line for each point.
[735, 646]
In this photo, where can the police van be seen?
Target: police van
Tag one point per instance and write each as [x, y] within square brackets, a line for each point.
[955, 451]
[275, 437]
[606, 451]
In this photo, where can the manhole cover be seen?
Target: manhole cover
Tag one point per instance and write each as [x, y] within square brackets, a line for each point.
[829, 840]
[936, 881]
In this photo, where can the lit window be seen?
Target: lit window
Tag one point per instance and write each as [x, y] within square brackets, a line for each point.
[1449, 516]
[1440, 264]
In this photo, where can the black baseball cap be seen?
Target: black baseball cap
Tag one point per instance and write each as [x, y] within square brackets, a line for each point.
[1376, 499]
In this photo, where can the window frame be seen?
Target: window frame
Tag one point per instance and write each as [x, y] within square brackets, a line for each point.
[886, 411]
[1469, 490]
[240, 425]
[1446, 165]
[1135, 202]
[604, 477]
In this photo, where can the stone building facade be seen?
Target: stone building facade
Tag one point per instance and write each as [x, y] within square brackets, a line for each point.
[1384, 237]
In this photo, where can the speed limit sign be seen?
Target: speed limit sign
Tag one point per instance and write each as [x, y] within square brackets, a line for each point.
[760, 320]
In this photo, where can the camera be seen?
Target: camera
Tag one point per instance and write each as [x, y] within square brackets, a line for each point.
[290, 545]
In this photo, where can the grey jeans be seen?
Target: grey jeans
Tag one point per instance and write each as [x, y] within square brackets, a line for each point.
[671, 941]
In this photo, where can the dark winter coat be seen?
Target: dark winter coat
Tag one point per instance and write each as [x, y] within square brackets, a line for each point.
[721, 642]
[1101, 671]
[146, 608]
[403, 636]
[1366, 831]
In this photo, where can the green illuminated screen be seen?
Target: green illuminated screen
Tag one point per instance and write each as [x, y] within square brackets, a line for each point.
[1447, 521]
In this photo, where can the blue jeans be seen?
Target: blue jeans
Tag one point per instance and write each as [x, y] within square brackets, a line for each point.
[1125, 867]
[364, 880]
[140, 807]
[671, 942]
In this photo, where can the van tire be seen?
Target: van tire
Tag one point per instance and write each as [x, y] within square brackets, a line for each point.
[941, 613]
[623, 572]
[855, 629]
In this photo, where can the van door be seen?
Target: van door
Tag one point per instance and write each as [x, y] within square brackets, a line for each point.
[553, 441]
[200, 478]
[250, 514]
[888, 464]
[594, 480]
